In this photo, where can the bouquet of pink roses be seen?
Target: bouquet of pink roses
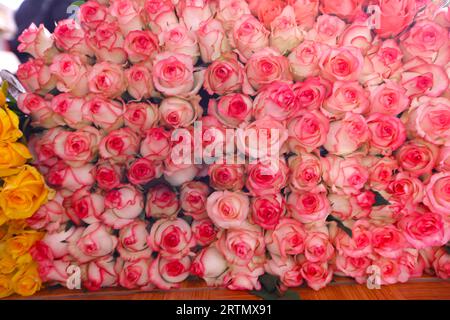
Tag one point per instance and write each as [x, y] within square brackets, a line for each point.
[351, 98]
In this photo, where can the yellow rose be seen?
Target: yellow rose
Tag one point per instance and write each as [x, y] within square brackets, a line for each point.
[26, 281]
[2, 99]
[6, 288]
[12, 155]
[7, 264]
[20, 244]
[3, 220]
[23, 193]
[9, 125]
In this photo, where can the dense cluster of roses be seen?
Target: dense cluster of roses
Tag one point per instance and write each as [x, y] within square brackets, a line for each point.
[361, 103]
[22, 192]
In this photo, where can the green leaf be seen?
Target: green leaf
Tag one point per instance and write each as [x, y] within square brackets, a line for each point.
[341, 225]
[447, 249]
[271, 291]
[379, 200]
[78, 3]
[5, 88]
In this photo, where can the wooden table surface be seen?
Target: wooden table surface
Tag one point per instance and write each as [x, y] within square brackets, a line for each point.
[341, 289]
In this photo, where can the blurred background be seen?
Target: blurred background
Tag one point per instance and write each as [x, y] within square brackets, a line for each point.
[16, 16]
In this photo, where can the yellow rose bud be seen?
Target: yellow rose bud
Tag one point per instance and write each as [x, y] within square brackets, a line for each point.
[6, 288]
[12, 155]
[24, 260]
[7, 263]
[9, 125]
[26, 281]
[20, 244]
[23, 193]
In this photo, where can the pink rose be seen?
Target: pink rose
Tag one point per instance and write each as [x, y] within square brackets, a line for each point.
[204, 231]
[420, 78]
[342, 64]
[406, 189]
[49, 217]
[119, 145]
[232, 109]
[156, 144]
[304, 59]
[312, 92]
[107, 42]
[77, 147]
[427, 40]
[71, 74]
[357, 246]
[168, 273]
[387, 59]
[395, 16]
[243, 278]
[104, 113]
[264, 178]
[424, 229]
[381, 171]
[55, 245]
[108, 175]
[249, 36]
[107, 79]
[327, 30]
[177, 174]
[141, 117]
[41, 147]
[285, 34]
[92, 14]
[306, 12]
[388, 241]
[140, 82]
[227, 209]
[132, 244]
[344, 176]
[443, 161]
[179, 39]
[38, 42]
[194, 12]
[387, 133]
[318, 247]
[276, 100]
[347, 135]
[39, 109]
[171, 238]
[92, 242]
[429, 119]
[122, 205]
[127, 14]
[306, 173]
[64, 176]
[308, 207]
[173, 75]
[288, 238]
[266, 66]
[267, 11]
[71, 37]
[100, 273]
[225, 75]
[359, 35]
[317, 274]
[162, 202]
[141, 46]
[437, 193]
[346, 97]
[69, 108]
[388, 98]
[242, 246]
[226, 176]
[212, 40]
[84, 205]
[134, 274]
[347, 9]
[441, 264]
[346, 207]
[417, 157]
[142, 171]
[176, 112]
[193, 197]
[353, 267]
[36, 77]
[287, 270]
[266, 211]
[307, 131]
[160, 14]
[210, 265]
[229, 11]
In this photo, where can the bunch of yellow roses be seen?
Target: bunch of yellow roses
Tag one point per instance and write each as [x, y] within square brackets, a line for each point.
[22, 192]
